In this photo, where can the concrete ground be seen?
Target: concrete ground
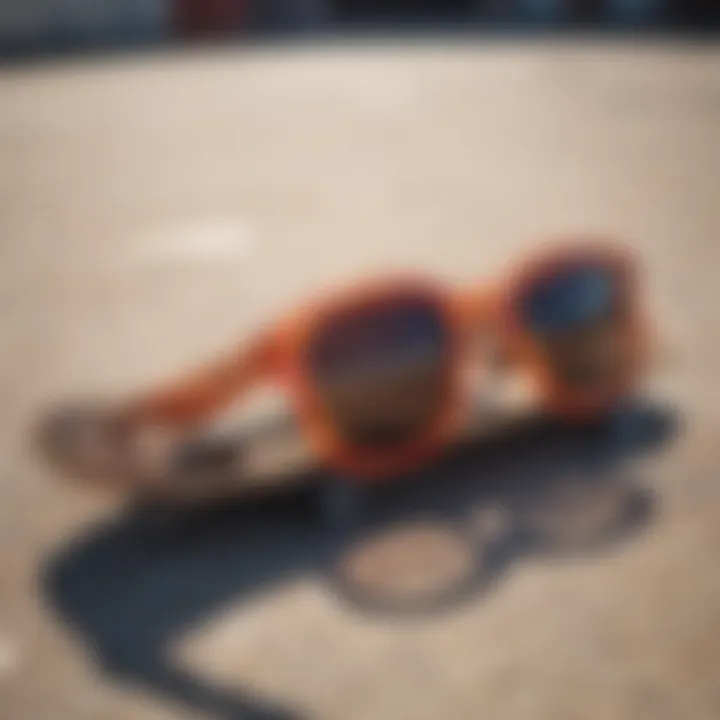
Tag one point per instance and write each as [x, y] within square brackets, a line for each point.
[153, 210]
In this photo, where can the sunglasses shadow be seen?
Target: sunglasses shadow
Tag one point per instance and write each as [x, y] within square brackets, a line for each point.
[128, 590]
[544, 490]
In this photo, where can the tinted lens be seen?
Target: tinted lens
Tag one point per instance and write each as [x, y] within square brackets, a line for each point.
[380, 370]
[576, 315]
[570, 299]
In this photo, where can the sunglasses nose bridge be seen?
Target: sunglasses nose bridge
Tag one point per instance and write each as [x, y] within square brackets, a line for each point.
[476, 307]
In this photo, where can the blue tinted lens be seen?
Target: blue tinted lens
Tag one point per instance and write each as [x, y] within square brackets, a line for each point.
[569, 299]
[379, 370]
[387, 337]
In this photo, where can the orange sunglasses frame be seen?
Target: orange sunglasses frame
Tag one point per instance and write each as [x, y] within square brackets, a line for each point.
[524, 351]
[280, 355]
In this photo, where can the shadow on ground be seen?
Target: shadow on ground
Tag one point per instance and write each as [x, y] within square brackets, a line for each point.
[129, 590]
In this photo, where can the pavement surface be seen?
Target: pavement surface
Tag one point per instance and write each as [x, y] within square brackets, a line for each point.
[154, 210]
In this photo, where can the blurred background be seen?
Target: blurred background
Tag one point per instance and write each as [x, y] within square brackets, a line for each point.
[42, 26]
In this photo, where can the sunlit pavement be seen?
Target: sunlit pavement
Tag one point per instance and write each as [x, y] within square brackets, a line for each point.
[155, 210]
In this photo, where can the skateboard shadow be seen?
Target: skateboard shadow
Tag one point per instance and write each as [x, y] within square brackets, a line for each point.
[128, 589]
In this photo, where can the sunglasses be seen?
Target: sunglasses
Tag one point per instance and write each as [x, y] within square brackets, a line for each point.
[378, 375]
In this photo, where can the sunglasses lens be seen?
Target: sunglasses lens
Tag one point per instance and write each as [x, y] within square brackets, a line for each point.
[576, 315]
[380, 370]
[571, 299]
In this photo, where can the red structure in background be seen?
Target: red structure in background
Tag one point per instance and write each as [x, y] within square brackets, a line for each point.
[209, 18]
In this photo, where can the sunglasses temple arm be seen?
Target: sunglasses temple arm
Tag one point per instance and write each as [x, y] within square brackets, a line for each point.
[197, 397]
